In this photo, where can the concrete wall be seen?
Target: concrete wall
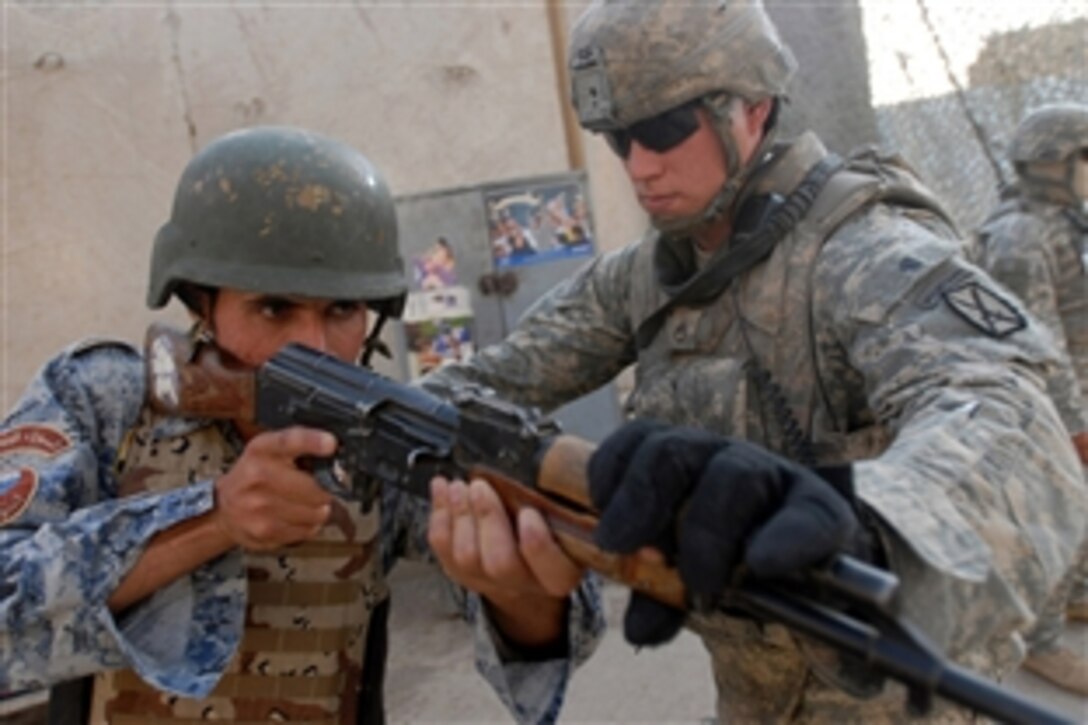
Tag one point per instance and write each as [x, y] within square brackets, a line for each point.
[830, 92]
[105, 103]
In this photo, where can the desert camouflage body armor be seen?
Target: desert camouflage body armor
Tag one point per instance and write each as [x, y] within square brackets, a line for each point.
[308, 607]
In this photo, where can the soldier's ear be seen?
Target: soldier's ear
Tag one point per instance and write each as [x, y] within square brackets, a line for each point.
[756, 114]
[199, 300]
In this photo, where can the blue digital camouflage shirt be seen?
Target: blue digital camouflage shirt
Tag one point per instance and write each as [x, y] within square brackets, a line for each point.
[68, 538]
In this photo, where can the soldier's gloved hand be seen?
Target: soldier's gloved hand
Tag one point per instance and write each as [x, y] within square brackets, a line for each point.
[710, 503]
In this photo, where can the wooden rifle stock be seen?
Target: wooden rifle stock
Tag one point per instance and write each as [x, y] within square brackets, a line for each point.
[192, 379]
[562, 478]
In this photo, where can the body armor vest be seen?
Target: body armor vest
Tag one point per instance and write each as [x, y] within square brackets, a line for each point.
[747, 364]
[734, 357]
[307, 613]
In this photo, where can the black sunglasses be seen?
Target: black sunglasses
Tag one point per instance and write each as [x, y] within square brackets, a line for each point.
[658, 133]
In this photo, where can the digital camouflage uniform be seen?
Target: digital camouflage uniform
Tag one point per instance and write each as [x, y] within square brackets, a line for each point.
[1039, 250]
[88, 476]
[889, 350]
[860, 335]
[1036, 244]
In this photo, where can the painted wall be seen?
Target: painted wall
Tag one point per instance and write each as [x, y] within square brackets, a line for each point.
[103, 104]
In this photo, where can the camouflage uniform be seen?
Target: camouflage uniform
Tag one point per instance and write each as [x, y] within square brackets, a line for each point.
[1039, 250]
[74, 525]
[1036, 244]
[860, 335]
[879, 345]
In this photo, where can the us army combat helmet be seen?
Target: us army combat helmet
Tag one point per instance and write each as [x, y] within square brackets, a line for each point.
[631, 61]
[282, 211]
[1054, 135]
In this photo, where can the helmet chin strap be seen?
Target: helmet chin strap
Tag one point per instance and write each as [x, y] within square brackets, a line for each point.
[737, 173]
[373, 343]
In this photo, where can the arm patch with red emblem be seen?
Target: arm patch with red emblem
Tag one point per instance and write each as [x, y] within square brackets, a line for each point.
[19, 445]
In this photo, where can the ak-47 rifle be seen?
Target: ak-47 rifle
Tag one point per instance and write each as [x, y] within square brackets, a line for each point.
[401, 435]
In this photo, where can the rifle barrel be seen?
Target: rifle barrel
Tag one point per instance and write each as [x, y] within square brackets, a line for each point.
[899, 652]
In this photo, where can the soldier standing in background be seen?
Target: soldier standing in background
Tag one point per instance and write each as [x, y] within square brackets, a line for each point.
[1036, 244]
[887, 391]
[196, 568]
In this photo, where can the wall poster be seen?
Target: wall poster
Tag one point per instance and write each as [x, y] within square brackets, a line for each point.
[538, 223]
[438, 314]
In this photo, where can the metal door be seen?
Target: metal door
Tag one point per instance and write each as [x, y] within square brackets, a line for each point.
[478, 258]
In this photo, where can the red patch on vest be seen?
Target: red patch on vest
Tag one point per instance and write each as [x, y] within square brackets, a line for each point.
[16, 490]
[18, 485]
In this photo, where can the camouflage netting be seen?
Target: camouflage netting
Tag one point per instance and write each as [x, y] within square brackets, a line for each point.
[1016, 73]
[947, 83]
[958, 169]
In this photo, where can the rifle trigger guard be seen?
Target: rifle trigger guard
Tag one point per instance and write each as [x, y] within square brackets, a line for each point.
[330, 475]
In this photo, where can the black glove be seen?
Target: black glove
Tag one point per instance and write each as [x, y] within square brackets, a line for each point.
[710, 503]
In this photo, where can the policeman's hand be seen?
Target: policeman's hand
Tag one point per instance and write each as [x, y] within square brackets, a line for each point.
[266, 500]
[712, 503]
[516, 565]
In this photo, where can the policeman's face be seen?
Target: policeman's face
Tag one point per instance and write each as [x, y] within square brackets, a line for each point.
[253, 326]
[682, 181]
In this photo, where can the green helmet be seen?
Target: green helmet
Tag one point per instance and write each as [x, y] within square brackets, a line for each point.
[633, 60]
[283, 211]
[630, 61]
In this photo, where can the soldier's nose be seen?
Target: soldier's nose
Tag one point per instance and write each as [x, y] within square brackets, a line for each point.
[312, 334]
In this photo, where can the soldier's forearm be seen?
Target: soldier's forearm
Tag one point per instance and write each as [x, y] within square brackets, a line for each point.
[171, 554]
[533, 626]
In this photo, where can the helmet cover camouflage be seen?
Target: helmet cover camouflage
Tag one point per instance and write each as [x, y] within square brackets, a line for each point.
[284, 211]
[1051, 134]
[633, 60]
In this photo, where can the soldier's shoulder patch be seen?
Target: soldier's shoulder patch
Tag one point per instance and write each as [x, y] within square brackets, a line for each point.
[17, 488]
[19, 483]
[983, 309]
